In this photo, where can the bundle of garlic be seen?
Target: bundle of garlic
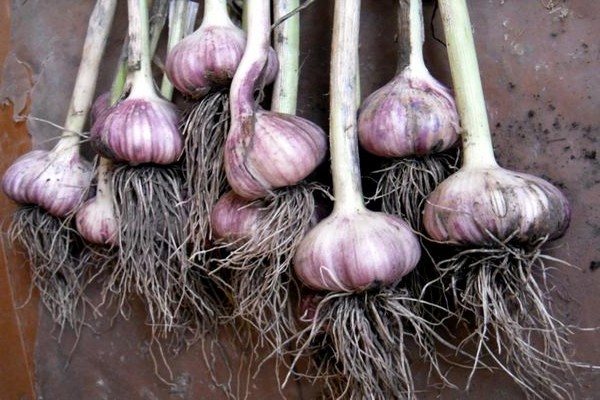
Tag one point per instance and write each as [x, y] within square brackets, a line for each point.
[362, 318]
[52, 184]
[498, 220]
[140, 134]
[201, 67]
[268, 156]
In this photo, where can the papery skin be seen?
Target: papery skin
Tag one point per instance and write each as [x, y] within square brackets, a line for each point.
[355, 251]
[413, 114]
[503, 202]
[100, 107]
[54, 180]
[206, 58]
[268, 150]
[138, 131]
[96, 221]
[234, 218]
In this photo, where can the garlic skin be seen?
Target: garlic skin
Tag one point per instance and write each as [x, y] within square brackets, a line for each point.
[234, 218]
[54, 180]
[96, 221]
[505, 203]
[413, 114]
[139, 130]
[60, 186]
[268, 150]
[355, 251]
[206, 58]
[100, 108]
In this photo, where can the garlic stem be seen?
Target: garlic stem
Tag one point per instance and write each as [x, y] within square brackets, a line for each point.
[476, 138]
[411, 36]
[215, 13]
[87, 75]
[104, 184]
[287, 48]
[190, 23]
[158, 17]
[116, 90]
[343, 133]
[248, 74]
[178, 19]
[139, 60]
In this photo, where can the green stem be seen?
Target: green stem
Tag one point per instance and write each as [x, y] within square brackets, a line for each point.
[139, 60]
[116, 90]
[87, 75]
[248, 74]
[345, 163]
[178, 12]
[287, 47]
[476, 137]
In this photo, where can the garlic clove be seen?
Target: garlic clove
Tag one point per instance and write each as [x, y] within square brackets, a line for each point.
[139, 130]
[474, 203]
[356, 251]
[96, 221]
[270, 150]
[413, 114]
[234, 218]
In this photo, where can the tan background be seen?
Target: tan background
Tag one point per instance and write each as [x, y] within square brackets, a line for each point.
[540, 70]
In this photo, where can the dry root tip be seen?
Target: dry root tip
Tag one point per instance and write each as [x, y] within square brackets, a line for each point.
[503, 293]
[205, 129]
[362, 344]
[153, 260]
[259, 267]
[53, 248]
[405, 183]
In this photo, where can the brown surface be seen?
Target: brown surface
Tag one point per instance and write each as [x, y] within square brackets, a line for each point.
[540, 74]
[18, 319]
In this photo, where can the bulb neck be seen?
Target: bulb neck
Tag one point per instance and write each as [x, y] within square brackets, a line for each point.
[248, 74]
[139, 59]
[215, 13]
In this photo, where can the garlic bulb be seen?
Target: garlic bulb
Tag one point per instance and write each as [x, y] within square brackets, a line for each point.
[54, 180]
[140, 129]
[411, 115]
[356, 251]
[143, 127]
[414, 114]
[475, 203]
[20, 174]
[209, 57]
[95, 219]
[269, 150]
[233, 218]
